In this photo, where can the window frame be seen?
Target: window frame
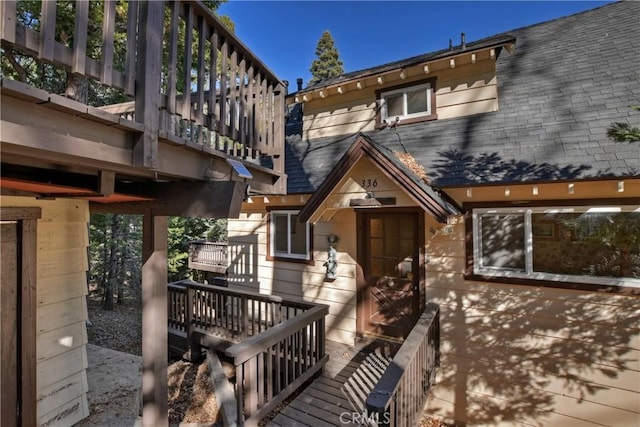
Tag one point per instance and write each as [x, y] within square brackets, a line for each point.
[529, 275]
[428, 84]
[288, 256]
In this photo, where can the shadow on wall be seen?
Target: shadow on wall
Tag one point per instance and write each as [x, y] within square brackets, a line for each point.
[518, 354]
[243, 262]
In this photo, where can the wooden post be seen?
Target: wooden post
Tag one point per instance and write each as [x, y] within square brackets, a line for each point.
[154, 322]
[145, 149]
[194, 347]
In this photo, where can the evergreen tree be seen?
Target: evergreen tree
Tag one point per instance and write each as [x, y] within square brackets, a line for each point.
[328, 63]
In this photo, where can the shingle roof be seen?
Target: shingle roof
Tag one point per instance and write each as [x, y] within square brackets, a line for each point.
[566, 81]
[429, 199]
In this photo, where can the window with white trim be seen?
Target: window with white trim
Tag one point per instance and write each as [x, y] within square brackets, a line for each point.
[409, 102]
[289, 237]
[597, 245]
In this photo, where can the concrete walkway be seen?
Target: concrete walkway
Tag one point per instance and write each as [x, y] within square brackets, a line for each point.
[114, 381]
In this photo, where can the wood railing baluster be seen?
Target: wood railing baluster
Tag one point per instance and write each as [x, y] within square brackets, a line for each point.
[47, 30]
[130, 60]
[233, 99]
[224, 77]
[79, 60]
[108, 27]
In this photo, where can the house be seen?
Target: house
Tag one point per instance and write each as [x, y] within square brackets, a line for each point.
[481, 178]
[173, 148]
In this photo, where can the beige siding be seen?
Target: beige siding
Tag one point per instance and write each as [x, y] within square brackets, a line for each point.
[61, 309]
[251, 270]
[464, 90]
[524, 355]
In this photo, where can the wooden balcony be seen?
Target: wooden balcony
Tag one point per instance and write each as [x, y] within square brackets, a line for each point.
[208, 256]
[190, 96]
[276, 346]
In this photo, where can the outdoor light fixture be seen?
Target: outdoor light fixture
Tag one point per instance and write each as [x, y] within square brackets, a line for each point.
[331, 263]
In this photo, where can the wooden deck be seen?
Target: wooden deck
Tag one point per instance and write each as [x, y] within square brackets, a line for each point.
[337, 397]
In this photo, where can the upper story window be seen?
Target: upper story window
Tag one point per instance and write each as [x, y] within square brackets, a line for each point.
[289, 237]
[408, 104]
[594, 245]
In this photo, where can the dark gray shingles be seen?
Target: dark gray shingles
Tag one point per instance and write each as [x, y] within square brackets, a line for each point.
[567, 80]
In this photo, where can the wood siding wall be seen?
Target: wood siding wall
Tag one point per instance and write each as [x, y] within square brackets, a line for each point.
[464, 90]
[248, 249]
[514, 354]
[61, 309]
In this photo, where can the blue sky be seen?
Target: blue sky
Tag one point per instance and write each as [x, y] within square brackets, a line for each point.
[284, 34]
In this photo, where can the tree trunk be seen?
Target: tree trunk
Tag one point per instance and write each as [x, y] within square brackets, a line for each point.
[77, 87]
[112, 276]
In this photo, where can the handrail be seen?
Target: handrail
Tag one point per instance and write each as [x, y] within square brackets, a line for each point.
[294, 303]
[398, 397]
[258, 343]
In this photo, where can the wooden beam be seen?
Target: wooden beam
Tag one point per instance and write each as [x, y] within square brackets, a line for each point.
[145, 149]
[28, 320]
[154, 322]
[213, 199]
[33, 139]
[106, 182]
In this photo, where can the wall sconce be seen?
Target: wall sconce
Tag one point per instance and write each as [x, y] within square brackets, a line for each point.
[331, 264]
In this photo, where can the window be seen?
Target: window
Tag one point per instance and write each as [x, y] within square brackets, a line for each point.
[289, 237]
[598, 245]
[408, 104]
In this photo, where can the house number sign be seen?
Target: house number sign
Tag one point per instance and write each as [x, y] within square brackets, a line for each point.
[370, 183]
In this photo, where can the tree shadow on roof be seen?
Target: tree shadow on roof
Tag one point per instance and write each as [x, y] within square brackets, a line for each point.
[454, 167]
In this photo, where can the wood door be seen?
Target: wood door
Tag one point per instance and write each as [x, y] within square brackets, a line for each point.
[390, 292]
[9, 387]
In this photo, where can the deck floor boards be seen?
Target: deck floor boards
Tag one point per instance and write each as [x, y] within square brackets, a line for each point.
[332, 398]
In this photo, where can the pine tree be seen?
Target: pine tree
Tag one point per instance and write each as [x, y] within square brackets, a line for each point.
[328, 63]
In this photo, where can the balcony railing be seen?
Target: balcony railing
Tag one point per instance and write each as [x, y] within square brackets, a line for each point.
[276, 344]
[400, 394]
[208, 256]
[189, 80]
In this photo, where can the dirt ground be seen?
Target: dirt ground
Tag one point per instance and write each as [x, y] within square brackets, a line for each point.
[115, 373]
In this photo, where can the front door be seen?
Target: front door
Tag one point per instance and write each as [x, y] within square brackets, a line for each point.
[392, 287]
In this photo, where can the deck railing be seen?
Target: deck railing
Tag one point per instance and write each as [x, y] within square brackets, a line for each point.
[193, 81]
[279, 342]
[400, 394]
[273, 364]
[208, 256]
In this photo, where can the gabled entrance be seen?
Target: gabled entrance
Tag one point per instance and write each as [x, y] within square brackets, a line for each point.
[391, 291]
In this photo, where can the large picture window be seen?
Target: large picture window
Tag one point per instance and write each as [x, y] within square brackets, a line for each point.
[289, 237]
[407, 104]
[599, 245]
